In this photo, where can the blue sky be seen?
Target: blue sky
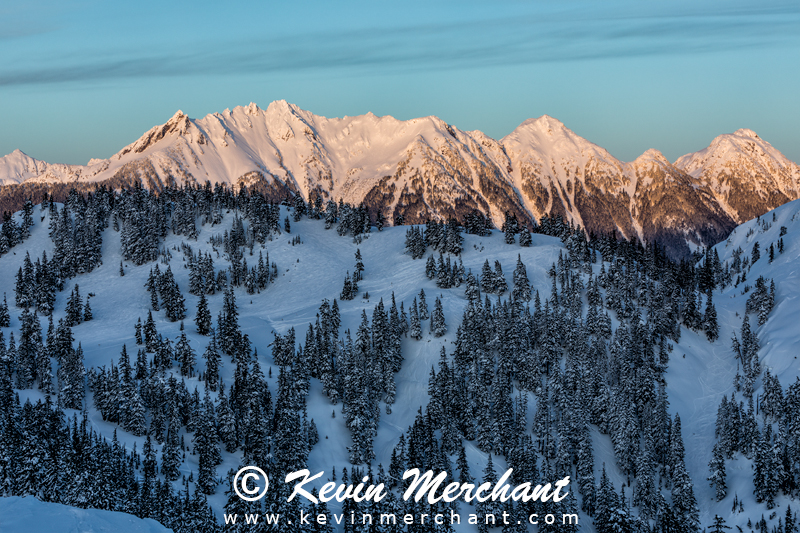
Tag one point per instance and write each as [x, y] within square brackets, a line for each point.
[82, 78]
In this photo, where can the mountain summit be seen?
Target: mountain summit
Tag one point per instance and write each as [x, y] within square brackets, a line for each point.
[18, 166]
[426, 168]
[747, 174]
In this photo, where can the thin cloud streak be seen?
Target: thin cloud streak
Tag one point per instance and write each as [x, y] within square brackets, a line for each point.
[512, 41]
[9, 32]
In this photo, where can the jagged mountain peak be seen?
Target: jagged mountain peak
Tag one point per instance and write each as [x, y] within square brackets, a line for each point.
[282, 108]
[550, 135]
[546, 131]
[744, 132]
[252, 109]
[544, 123]
[179, 124]
[280, 105]
[728, 148]
[18, 166]
[746, 173]
[652, 155]
[16, 155]
[738, 139]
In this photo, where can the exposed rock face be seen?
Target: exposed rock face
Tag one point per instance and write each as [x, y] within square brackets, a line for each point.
[671, 209]
[559, 172]
[425, 168]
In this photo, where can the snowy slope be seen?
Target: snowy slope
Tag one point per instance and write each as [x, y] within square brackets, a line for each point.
[292, 300]
[698, 382]
[699, 372]
[29, 515]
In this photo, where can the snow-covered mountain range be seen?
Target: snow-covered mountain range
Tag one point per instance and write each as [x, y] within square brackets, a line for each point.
[425, 168]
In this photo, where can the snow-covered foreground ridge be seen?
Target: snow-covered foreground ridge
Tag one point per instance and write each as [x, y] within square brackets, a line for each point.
[425, 168]
[33, 516]
[561, 358]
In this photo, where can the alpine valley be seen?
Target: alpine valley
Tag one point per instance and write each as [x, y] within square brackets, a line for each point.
[163, 328]
[425, 168]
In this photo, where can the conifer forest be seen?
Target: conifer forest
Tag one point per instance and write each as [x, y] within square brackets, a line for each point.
[153, 343]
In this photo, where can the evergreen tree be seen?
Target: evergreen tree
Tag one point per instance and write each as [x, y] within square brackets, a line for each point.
[87, 310]
[213, 362]
[228, 324]
[476, 223]
[349, 291]
[462, 464]
[185, 355]
[510, 227]
[423, 306]
[171, 456]
[525, 237]
[430, 267]
[443, 273]
[438, 326]
[134, 421]
[414, 328]
[719, 525]
[203, 317]
[299, 208]
[683, 499]
[150, 333]
[227, 422]
[717, 468]
[71, 371]
[415, 243]
[487, 507]
[359, 268]
[74, 314]
[174, 303]
[149, 463]
[472, 291]
[138, 332]
[522, 287]
[500, 285]
[487, 278]
[606, 504]
[710, 325]
[207, 447]
[790, 521]
[141, 364]
[152, 288]
[5, 319]
[403, 320]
